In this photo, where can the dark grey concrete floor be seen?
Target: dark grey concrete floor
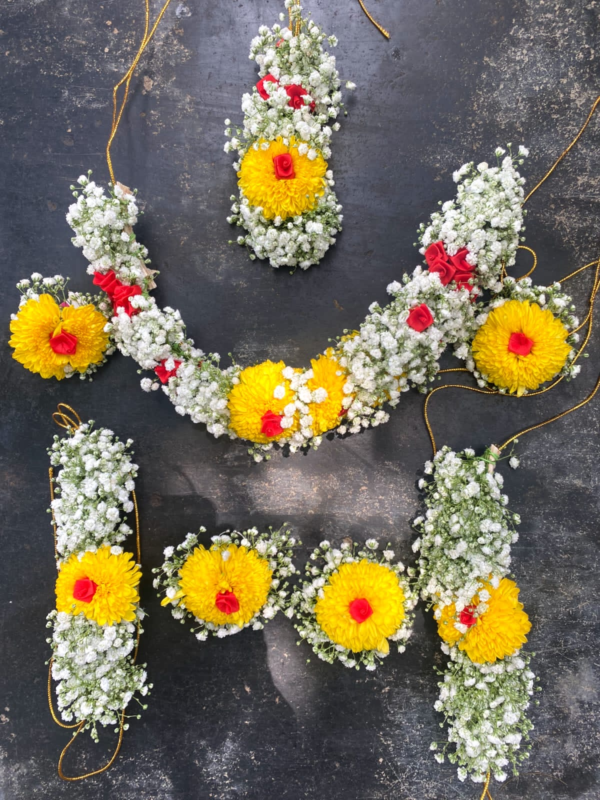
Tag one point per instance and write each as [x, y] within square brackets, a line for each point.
[248, 717]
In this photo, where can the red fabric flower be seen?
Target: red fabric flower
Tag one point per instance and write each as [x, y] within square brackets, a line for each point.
[450, 268]
[121, 298]
[227, 602]
[520, 344]
[261, 85]
[64, 343]
[445, 270]
[271, 424]
[107, 282]
[163, 373]
[435, 252]
[360, 609]
[420, 318]
[84, 590]
[467, 616]
[459, 261]
[284, 167]
[296, 92]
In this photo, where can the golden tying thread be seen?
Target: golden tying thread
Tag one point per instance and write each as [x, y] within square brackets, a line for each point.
[504, 273]
[564, 153]
[79, 725]
[486, 788]
[126, 79]
[63, 419]
[294, 27]
[377, 25]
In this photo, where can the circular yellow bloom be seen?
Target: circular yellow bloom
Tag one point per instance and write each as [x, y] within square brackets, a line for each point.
[40, 320]
[281, 196]
[520, 346]
[107, 582]
[255, 410]
[330, 376]
[498, 632]
[361, 590]
[234, 574]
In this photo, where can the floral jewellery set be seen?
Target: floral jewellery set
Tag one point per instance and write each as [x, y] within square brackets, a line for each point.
[513, 336]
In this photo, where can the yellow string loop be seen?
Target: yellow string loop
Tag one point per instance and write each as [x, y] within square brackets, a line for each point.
[79, 725]
[486, 789]
[126, 79]
[381, 29]
[62, 417]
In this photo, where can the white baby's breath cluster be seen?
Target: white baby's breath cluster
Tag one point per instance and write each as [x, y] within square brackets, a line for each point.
[548, 298]
[486, 217]
[274, 546]
[467, 531]
[104, 230]
[484, 706]
[294, 57]
[57, 287]
[324, 562]
[384, 358]
[92, 490]
[93, 664]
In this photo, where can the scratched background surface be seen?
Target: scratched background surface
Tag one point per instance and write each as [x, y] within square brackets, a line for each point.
[248, 717]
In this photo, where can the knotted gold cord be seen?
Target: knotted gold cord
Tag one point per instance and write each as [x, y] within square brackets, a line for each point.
[486, 788]
[63, 420]
[126, 79]
[381, 29]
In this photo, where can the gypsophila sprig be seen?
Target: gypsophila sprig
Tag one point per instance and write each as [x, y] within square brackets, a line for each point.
[240, 581]
[484, 706]
[286, 201]
[98, 619]
[353, 602]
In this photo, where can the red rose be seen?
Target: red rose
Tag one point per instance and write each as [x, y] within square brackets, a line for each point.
[163, 373]
[419, 318]
[360, 609]
[121, 297]
[435, 252]
[65, 344]
[227, 603]
[462, 280]
[296, 92]
[271, 424]
[467, 616]
[261, 85]
[460, 263]
[107, 282]
[520, 344]
[444, 269]
[284, 167]
[84, 590]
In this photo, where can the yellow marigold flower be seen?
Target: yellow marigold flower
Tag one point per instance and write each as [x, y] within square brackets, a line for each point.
[280, 180]
[520, 346]
[100, 585]
[498, 632]
[330, 376]
[257, 402]
[225, 585]
[362, 605]
[77, 334]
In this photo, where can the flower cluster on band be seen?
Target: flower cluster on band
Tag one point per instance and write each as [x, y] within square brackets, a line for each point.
[286, 202]
[97, 618]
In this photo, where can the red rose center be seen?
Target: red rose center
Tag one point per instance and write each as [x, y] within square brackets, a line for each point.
[84, 590]
[467, 616]
[64, 343]
[520, 344]
[271, 424]
[360, 609]
[227, 603]
[284, 167]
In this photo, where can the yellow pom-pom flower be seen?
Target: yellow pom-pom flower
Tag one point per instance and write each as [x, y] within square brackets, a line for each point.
[327, 375]
[498, 631]
[47, 338]
[520, 346]
[280, 180]
[362, 605]
[257, 402]
[224, 586]
[101, 586]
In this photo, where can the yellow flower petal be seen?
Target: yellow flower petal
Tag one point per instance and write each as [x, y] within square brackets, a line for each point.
[330, 376]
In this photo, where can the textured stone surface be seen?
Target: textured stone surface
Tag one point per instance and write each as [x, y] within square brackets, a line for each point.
[249, 717]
